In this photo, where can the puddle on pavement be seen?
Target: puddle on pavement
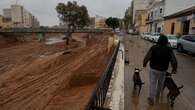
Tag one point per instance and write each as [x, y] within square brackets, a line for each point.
[54, 40]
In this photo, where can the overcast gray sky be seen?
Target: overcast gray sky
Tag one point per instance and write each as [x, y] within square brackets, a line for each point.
[44, 10]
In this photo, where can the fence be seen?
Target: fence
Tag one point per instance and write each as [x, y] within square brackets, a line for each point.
[99, 95]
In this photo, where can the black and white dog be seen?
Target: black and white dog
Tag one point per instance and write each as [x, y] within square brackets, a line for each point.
[174, 90]
[137, 80]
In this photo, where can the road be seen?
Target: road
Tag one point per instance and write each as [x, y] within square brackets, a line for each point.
[137, 48]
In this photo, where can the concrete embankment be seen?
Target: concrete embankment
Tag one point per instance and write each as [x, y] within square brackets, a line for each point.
[115, 95]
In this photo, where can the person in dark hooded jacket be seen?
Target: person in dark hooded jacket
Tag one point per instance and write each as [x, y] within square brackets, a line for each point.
[159, 56]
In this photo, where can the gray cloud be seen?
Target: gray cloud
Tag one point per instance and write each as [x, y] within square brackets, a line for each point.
[44, 10]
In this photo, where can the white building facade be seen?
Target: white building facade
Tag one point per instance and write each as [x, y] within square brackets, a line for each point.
[17, 15]
[155, 17]
[7, 13]
[139, 5]
[21, 17]
[100, 22]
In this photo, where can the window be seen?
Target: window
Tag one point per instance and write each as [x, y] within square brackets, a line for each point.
[185, 37]
[160, 10]
[193, 38]
[158, 29]
[188, 38]
[155, 13]
[172, 28]
[186, 27]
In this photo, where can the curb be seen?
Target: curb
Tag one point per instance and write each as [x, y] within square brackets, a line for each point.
[115, 95]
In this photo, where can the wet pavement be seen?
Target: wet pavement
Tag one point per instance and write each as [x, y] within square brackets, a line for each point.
[136, 49]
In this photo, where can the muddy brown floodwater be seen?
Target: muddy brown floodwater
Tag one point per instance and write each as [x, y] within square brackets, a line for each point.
[35, 76]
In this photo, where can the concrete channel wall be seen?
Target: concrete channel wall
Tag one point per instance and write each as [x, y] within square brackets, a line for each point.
[115, 95]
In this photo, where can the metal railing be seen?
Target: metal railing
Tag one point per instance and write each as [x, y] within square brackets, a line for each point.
[98, 97]
[49, 30]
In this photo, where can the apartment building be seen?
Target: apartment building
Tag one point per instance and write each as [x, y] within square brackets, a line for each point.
[179, 16]
[139, 5]
[17, 15]
[140, 19]
[20, 16]
[92, 22]
[100, 22]
[7, 13]
[27, 18]
[167, 16]
[5, 22]
[155, 16]
[35, 22]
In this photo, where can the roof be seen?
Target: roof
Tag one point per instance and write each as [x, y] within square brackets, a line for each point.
[185, 12]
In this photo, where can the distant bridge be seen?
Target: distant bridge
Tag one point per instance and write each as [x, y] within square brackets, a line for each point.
[49, 30]
[42, 33]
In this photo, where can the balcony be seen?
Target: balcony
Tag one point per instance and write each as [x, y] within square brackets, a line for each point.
[149, 20]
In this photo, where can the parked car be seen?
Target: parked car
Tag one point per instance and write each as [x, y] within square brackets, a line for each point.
[142, 35]
[117, 30]
[130, 31]
[135, 33]
[150, 37]
[187, 43]
[172, 40]
[145, 35]
[154, 37]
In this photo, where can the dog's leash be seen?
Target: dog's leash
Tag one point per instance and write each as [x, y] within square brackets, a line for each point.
[169, 74]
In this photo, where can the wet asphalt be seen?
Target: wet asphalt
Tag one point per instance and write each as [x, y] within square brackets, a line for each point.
[136, 49]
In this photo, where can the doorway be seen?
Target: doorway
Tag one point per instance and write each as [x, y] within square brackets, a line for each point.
[159, 30]
[150, 27]
[155, 27]
[172, 28]
[186, 27]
